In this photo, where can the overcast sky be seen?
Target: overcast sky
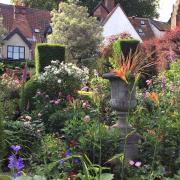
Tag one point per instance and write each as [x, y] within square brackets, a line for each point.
[165, 8]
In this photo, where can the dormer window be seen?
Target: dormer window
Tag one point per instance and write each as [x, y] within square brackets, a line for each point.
[37, 30]
[142, 23]
[140, 31]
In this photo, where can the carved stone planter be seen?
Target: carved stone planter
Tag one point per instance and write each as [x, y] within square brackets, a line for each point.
[122, 100]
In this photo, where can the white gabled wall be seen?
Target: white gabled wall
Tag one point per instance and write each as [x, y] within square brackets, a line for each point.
[118, 23]
[16, 40]
[157, 32]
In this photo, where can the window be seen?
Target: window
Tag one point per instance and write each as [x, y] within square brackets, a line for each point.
[37, 30]
[16, 52]
[142, 23]
[140, 30]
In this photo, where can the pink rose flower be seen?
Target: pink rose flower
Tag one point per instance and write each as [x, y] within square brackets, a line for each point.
[138, 164]
[131, 162]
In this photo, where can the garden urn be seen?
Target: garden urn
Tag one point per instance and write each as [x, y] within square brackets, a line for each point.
[122, 100]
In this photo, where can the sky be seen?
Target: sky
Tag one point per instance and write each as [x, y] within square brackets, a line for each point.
[164, 10]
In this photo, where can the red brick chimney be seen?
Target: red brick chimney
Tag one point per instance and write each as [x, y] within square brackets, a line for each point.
[20, 19]
[109, 4]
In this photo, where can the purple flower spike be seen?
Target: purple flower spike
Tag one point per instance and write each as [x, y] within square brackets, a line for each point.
[61, 162]
[15, 163]
[19, 164]
[76, 161]
[67, 154]
[17, 174]
[16, 148]
[11, 159]
[163, 83]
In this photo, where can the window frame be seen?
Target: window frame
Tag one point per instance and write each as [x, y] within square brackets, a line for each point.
[19, 52]
[142, 22]
[140, 30]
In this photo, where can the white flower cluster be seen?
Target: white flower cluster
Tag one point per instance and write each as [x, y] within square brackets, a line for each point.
[57, 71]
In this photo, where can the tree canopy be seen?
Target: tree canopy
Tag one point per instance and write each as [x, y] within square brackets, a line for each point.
[140, 8]
[73, 27]
[3, 31]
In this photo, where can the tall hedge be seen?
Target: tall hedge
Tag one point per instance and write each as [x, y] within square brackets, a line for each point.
[29, 91]
[45, 53]
[128, 44]
[1, 132]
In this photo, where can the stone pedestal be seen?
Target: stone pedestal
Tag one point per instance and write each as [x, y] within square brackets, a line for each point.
[122, 100]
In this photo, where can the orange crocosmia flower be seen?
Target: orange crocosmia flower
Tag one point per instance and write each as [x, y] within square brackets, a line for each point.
[121, 73]
[154, 97]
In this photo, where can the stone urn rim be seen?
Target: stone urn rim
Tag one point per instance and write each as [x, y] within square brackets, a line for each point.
[111, 75]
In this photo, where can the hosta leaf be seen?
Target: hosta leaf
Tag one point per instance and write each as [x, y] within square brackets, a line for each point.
[106, 176]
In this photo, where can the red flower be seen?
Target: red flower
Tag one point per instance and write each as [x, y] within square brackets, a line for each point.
[72, 143]
[69, 98]
[71, 175]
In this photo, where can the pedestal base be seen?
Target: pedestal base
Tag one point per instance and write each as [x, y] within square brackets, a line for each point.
[131, 138]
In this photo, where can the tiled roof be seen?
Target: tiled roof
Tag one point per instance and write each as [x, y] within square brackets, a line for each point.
[17, 31]
[143, 27]
[161, 26]
[98, 5]
[26, 20]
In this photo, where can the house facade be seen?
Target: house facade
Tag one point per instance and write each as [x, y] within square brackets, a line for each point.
[25, 27]
[115, 21]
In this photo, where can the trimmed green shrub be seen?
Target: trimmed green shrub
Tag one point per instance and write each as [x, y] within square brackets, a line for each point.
[128, 44]
[1, 138]
[28, 92]
[45, 53]
[57, 120]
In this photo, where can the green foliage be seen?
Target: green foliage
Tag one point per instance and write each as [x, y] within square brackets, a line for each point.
[19, 133]
[57, 120]
[40, 4]
[70, 20]
[63, 78]
[159, 125]
[128, 45]
[28, 92]
[3, 30]
[101, 143]
[91, 171]
[1, 131]
[137, 8]
[45, 53]
[1, 67]
[46, 159]
[88, 135]
[5, 177]
[31, 178]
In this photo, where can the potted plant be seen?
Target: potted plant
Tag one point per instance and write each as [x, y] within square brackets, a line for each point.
[123, 76]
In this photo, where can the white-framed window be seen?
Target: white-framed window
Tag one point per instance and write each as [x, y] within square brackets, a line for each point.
[15, 52]
[142, 22]
[140, 30]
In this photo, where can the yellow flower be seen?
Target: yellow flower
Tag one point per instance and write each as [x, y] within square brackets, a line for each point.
[86, 93]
